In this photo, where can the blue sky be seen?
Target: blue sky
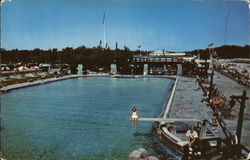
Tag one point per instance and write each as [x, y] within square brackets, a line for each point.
[174, 25]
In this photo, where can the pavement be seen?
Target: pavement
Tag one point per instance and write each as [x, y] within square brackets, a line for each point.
[187, 101]
[228, 88]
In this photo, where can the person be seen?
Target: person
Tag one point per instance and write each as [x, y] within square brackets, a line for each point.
[134, 117]
[192, 137]
[205, 123]
[134, 114]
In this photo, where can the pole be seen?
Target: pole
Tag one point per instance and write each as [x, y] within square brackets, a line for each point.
[240, 119]
[211, 85]
[104, 30]
[104, 34]
[140, 52]
[241, 100]
[211, 55]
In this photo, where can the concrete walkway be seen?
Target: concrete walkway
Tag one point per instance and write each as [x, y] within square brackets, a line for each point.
[229, 87]
[187, 101]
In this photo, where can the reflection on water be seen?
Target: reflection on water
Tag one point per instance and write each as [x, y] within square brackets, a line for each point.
[84, 118]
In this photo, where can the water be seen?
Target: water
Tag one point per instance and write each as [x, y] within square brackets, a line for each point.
[80, 119]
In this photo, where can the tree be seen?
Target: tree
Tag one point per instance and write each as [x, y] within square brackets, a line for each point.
[116, 46]
[106, 45]
[54, 50]
[126, 48]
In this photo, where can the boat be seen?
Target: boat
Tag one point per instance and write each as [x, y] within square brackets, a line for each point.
[173, 135]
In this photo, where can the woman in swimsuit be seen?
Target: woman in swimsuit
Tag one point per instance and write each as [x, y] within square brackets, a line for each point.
[134, 114]
[134, 117]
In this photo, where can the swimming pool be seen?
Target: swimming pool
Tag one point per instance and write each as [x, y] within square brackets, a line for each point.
[83, 118]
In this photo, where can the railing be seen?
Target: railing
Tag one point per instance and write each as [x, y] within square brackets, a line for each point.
[234, 149]
[240, 79]
[147, 60]
[7, 73]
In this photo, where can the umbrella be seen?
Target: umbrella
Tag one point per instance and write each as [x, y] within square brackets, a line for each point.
[5, 68]
[22, 68]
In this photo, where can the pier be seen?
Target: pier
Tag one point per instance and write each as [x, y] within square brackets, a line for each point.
[168, 120]
[187, 101]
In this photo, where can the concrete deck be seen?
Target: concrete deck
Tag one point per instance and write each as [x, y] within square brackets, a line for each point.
[168, 120]
[187, 101]
[229, 87]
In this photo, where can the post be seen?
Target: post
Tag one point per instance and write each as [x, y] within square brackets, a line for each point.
[80, 69]
[179, 69]
[211, 85]
[145, 69]
[113, 69]
[240, 119]
[148, 69]
[211, 61]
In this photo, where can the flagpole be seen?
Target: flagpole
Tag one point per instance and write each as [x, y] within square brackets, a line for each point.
[211, 55]
[104, 30]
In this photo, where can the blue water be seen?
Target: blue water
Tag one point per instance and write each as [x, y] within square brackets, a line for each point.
[80, 119]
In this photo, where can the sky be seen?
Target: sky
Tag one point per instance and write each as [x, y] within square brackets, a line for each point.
[173, 25]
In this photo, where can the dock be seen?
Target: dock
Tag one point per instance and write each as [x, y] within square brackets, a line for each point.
[187, 101]
[184, 103]
[168, 120]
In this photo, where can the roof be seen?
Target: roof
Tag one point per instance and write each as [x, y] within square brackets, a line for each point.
[165, 53]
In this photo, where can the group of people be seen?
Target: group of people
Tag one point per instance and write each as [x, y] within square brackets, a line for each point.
[218, 100]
